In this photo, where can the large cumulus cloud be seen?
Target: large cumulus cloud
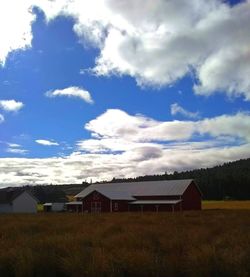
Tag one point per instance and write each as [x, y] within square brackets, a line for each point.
[124, 145]
[156, 42]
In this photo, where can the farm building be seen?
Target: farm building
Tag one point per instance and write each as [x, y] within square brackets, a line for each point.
[54, 207]
[74, 206]
[169, 195]
[17, 201]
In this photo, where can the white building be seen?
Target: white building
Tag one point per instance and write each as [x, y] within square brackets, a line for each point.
[18, 201]
[54, 207]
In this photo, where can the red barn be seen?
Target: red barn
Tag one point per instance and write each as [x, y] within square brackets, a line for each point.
[169, 195]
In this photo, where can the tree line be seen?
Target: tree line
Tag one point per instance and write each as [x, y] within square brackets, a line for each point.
[228, 181]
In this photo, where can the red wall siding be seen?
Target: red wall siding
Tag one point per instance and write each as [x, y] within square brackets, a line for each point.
[74, 208]
[191, 198]
[96, 197]
[105, 203]
[122, 205]
[152, 208]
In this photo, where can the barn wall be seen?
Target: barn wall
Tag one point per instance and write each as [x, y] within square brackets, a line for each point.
[191, 198]
[5, 208]
[153, 208]
[122, 205]
[74, 208]
[24, 203]
[96, 197]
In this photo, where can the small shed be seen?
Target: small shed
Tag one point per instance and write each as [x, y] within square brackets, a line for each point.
[54, 207]
[17, 201]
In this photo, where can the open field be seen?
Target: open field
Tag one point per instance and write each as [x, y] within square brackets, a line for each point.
[229, 204]
[206, 243]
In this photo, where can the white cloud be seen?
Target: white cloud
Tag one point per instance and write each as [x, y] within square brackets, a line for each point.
[117, 123]
[159, 42]
[156, 42]
[1, 118]
[47, 142]
[13, 145]
[11, 105]
[15, 26]
[71, 92]
[124, 145]
[17, 151]
[78, 167]
[177, 109]
[15, 148]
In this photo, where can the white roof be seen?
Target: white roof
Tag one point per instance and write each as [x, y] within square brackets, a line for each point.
[74, 203]
[145, 202]
[127, 191]
[54, 203]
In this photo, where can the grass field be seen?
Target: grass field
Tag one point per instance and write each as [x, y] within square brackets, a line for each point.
[206, 243]
[225, 205]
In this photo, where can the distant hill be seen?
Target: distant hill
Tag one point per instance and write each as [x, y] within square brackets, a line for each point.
[74, 188]
[47, 194]
[56, 193]
[228, 181]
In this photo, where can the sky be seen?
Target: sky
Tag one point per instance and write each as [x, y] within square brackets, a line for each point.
[92, 90]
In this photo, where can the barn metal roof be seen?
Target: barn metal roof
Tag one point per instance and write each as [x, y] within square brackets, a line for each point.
[74, 203]
[116, 195]
[127, 191]
[148, 202]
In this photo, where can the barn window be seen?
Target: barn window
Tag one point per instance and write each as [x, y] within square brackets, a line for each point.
[116, 206]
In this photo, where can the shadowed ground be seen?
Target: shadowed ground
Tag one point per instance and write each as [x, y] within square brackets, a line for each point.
[203, 243]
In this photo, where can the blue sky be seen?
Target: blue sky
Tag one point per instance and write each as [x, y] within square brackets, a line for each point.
[121, 88]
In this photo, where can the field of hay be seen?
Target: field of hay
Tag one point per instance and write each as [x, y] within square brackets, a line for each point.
[225, 205]
[203, 243]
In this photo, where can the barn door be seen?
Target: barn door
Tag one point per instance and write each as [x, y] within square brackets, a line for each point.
[96, 207]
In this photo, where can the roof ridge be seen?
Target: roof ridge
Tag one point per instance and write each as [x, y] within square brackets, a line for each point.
[144, 188]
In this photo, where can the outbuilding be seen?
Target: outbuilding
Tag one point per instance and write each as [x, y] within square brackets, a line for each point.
[17, 201]
[54, 207]
[74, 206]
[167, 195]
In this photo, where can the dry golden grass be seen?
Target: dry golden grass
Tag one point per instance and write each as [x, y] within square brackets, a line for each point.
[205, 243]
[229, 204]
